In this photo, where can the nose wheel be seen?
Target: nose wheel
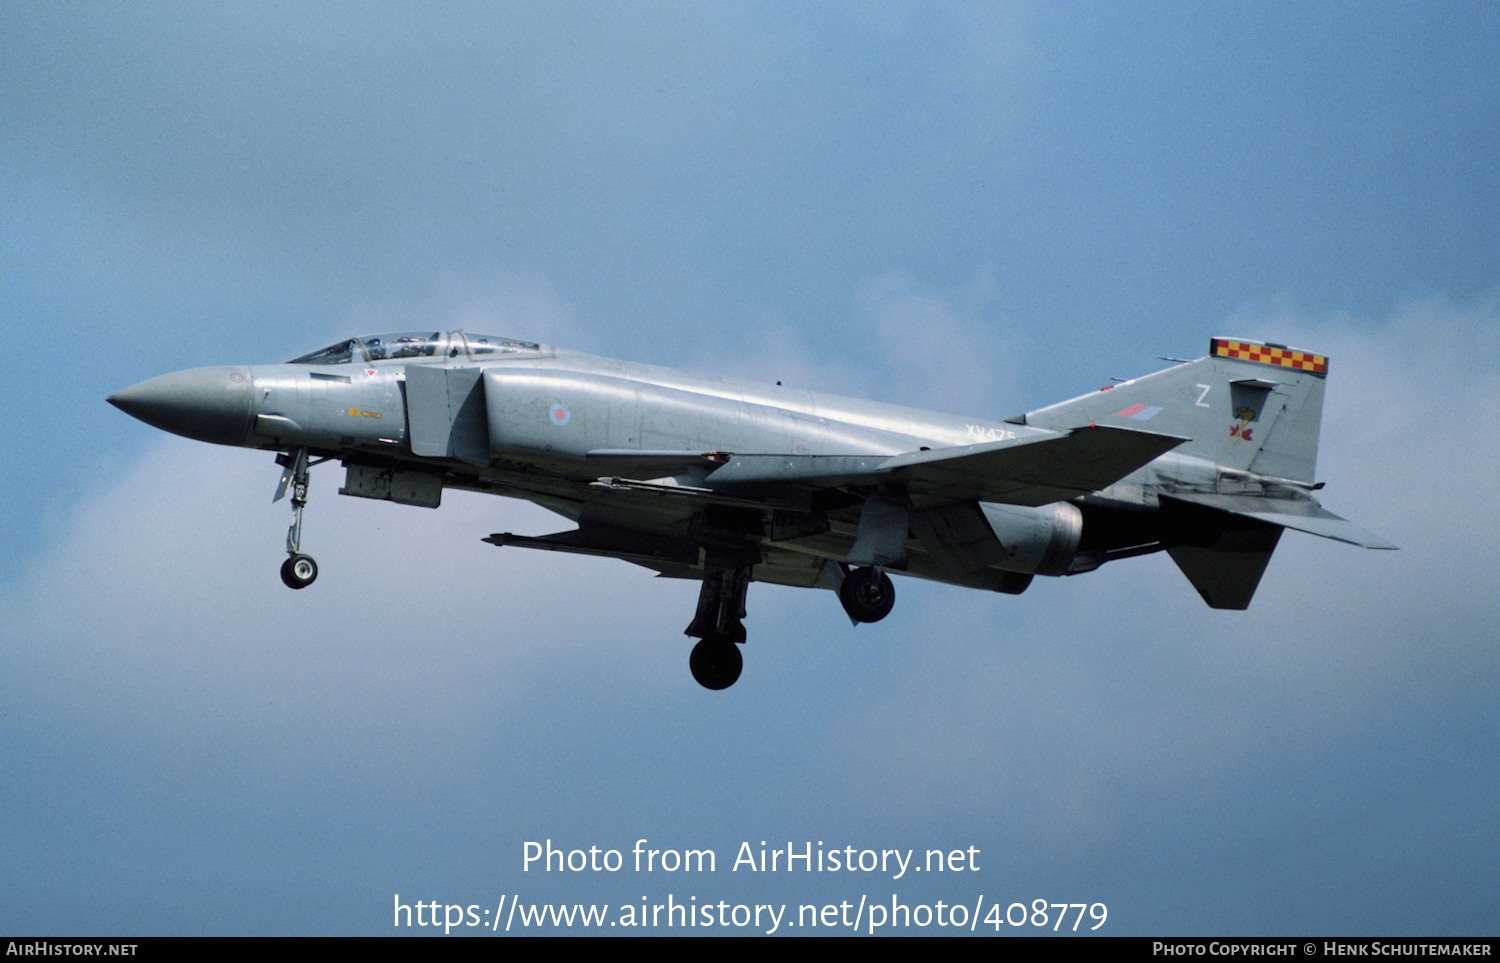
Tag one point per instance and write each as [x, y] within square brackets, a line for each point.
[299, 570]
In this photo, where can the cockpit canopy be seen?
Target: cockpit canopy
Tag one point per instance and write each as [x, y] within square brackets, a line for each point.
[404, 345]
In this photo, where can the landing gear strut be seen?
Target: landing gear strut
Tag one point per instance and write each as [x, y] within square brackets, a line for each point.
[867, 594]
[716, 661]
[298, 571]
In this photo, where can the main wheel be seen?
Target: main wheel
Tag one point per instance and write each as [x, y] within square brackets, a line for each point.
[716, 663]
[867, 595]
[299, 571]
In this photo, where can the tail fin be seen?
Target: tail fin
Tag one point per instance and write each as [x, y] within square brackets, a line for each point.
[1249, 406]
[1252, 410]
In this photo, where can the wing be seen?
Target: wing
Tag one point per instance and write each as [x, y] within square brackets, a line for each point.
[1021, 471]
[791, 516]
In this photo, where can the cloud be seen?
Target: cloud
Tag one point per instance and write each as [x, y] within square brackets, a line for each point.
[426, 669]
[1088, 686]
[189, 745]
[161, 602]
[905, 343]
[956, 354]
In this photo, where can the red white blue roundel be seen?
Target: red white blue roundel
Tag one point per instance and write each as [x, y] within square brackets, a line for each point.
[559, 414]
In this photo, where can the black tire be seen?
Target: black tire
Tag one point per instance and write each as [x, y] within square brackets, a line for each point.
[299, 571]
[867, 595]
[716, 663]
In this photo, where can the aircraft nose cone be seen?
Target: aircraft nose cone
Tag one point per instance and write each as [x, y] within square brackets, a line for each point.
[207, 404]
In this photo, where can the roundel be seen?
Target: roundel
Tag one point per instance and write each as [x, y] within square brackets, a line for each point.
[559, 414]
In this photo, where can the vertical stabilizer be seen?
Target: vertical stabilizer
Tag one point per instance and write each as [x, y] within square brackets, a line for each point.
[1249, 406]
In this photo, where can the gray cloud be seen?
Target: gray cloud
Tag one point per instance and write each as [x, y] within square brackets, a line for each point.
[974, 210]
[1022, 724]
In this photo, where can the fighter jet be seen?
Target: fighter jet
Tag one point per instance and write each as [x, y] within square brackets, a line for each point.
[729, 482]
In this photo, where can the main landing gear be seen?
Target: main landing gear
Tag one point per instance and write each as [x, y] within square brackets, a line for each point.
[716, 661]
[867, 594]
[298, 571]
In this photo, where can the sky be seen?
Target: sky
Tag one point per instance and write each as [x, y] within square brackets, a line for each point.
[980, 208]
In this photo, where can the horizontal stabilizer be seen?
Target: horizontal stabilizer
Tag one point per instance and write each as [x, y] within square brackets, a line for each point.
[1303, 515]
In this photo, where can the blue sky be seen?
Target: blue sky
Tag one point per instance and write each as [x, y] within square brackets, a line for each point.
[979, 208]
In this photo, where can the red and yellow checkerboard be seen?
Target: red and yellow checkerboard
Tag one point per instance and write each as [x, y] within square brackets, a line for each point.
[1269, 354]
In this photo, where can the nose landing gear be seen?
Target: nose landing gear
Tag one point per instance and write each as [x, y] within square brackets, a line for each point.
[298, 571]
